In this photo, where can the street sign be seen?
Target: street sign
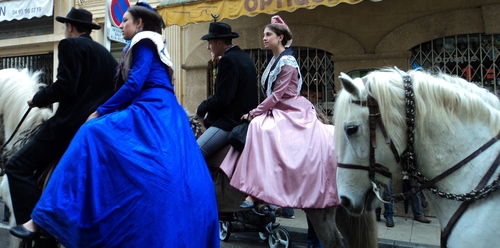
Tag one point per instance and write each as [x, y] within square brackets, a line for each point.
[115, 34]
[116, 10]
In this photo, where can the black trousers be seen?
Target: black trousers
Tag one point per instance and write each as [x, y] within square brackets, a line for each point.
[21, 168]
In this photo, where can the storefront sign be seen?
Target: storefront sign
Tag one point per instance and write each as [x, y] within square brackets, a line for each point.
[20, 9]
[177, 12]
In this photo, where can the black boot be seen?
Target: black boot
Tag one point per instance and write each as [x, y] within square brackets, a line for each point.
[389, 222]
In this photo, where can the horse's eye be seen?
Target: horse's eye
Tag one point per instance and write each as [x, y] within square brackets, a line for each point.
[351, 129]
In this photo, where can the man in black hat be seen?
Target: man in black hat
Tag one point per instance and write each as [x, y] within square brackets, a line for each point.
[84, 81]
[235, 89]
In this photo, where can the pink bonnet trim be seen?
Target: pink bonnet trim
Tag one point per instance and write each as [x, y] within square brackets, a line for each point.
[277, 20]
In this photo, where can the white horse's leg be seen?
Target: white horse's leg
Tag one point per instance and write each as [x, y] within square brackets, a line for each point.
[323, 221]
[333, 224]
[5, 194]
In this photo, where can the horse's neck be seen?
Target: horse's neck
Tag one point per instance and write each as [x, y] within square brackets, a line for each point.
[12, 120]
[439, 148]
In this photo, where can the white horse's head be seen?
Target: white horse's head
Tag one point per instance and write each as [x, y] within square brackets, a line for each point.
[353, 146]
[444, 108]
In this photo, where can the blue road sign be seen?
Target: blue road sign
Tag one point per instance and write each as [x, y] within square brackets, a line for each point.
[117, 8]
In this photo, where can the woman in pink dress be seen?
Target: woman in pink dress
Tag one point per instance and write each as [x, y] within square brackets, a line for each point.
[289, 158]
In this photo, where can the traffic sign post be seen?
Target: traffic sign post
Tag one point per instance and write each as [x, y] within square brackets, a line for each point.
[114, 16]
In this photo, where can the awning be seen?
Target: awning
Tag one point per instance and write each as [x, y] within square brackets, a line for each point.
[20, 9]
[182, 12]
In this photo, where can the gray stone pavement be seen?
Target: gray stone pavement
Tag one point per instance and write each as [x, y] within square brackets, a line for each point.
[405, 233]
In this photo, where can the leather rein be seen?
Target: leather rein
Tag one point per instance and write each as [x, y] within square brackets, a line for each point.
[408, 159]
[2, 161]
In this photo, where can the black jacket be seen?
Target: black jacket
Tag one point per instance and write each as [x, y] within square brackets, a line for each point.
[84, 81]
[236, 91]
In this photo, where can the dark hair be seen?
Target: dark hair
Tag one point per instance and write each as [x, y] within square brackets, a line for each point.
[151, 19]
[281, 30]
[81, 28]
[226, 41]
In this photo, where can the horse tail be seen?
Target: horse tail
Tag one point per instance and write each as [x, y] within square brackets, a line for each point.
[358, 231]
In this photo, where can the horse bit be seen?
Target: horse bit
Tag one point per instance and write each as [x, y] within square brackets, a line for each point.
[408, 161]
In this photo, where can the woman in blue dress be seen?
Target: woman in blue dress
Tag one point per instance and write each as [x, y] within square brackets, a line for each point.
[133, 176]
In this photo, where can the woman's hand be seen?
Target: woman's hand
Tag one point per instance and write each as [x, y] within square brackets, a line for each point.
[92, 116]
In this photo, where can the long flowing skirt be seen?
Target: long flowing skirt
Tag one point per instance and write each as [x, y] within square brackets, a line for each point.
[133, 178]
[289, 158]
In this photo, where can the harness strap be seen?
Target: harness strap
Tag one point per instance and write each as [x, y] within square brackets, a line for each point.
[2, 166]
[446, 173]
[454, 218]
[374, 119]
[380, 169]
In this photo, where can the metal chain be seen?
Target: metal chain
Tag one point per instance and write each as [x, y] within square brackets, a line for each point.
[473, 195]
[408, 157]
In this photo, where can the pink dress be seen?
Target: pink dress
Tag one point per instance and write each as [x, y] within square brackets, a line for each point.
[289, 157]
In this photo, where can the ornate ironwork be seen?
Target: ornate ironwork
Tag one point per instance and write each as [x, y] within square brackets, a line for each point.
[317, 70]
[474, 57]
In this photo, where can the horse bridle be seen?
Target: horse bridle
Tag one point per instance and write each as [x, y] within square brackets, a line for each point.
[408, 160]
[374, 167]
[374, 118]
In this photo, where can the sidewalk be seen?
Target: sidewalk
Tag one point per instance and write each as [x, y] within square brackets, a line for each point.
[408, 233]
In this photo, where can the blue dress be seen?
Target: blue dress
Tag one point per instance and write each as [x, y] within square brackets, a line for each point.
[134, 177]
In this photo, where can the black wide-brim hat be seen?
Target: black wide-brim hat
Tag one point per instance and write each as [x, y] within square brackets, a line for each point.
[220, 30]
[80, 17]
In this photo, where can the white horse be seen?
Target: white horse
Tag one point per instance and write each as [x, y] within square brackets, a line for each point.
[16, 87]
[444, 131]
[334, 226]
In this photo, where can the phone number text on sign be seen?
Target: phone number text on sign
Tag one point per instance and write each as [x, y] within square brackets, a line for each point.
[26, 11]
[20, 9]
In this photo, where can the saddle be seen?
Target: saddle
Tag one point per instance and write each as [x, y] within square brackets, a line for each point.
[213, 163]
[215, 160]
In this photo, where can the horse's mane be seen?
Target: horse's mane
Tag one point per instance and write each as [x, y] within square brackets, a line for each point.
[16, 87]
[448, 98]
[487, 96]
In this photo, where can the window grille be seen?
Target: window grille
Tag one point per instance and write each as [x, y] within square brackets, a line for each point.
[317, 72]
[33, 62]
[474, 57]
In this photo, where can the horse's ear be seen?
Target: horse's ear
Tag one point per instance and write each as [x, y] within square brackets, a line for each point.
[348, 84]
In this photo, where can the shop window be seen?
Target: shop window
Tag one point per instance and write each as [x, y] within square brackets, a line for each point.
[317, 72]
[474, 57]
